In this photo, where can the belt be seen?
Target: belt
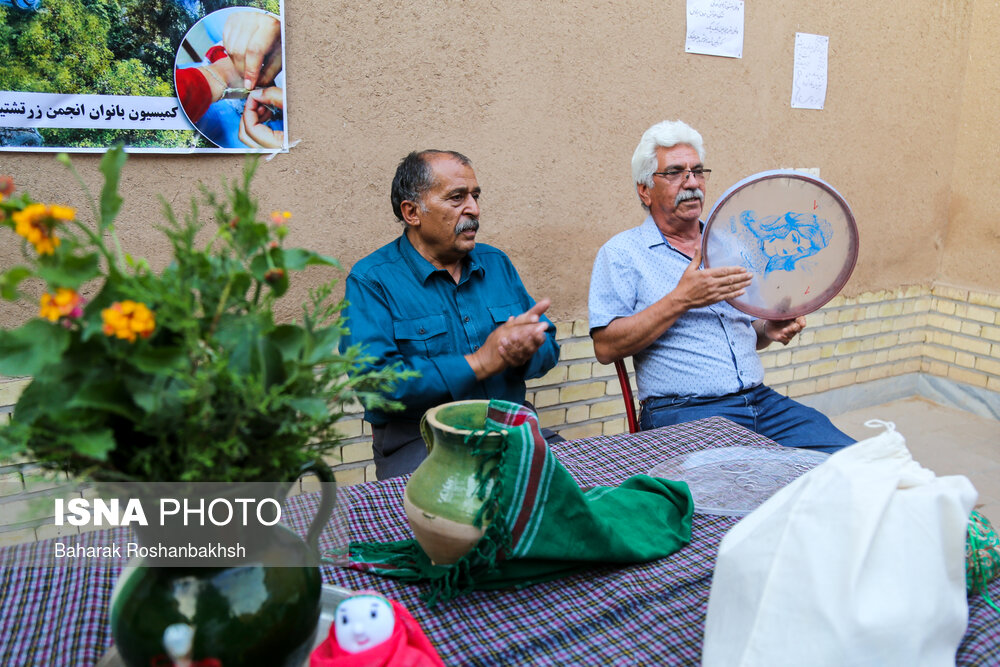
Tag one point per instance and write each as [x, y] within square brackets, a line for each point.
[741, 392]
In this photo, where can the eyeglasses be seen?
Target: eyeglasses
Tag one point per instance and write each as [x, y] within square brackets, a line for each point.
[674, 175]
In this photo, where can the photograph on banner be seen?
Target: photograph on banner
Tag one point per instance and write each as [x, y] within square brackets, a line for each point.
[159, 76]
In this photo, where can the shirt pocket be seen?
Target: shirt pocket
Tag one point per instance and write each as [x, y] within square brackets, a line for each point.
[421, 337]
[501, 313]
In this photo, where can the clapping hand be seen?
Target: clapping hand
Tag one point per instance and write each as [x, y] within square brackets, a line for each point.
[512, 343]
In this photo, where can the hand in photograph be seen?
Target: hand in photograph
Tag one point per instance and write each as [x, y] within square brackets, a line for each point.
[253, 41]
[260, 108]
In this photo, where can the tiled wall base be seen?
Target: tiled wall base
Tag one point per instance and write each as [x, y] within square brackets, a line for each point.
[981, 402]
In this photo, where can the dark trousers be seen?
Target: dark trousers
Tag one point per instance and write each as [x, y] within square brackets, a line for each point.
[760, 409]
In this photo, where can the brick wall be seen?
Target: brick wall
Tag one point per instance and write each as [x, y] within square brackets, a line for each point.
[941, 331]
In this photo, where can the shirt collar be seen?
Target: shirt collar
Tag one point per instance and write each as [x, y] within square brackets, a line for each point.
[652, 236]
[423, 269]
[650, 233]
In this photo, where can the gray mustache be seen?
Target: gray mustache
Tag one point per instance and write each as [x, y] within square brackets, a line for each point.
[470, 225]
[684, 195]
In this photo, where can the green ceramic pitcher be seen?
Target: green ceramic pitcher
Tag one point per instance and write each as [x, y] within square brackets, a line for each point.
[441, 499]
[242, 616]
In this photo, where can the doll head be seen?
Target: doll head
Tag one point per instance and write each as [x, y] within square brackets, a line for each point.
[363, 621]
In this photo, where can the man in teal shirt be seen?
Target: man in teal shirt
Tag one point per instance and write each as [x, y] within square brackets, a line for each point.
[435, 302]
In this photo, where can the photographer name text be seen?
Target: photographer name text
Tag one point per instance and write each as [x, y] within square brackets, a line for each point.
[136, 550]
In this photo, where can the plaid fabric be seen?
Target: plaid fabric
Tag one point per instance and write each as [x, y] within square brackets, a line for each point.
[650, 614]
[54, 616]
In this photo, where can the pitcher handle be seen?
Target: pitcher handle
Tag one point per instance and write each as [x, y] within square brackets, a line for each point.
[328, 496]
[426, 432]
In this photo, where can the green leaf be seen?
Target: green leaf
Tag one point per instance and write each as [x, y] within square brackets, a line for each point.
[104, 396]
[288, 339]
[296, 259]
[314, 408]
[250, 351]
[323, 345]
[47, 393]
[93, 444]
[269, 363]
[259, 265]
[28, 349]
[71, 272]
[111, 201]
[10, 279]
[234, 335]
[158, 359]
[158, 395]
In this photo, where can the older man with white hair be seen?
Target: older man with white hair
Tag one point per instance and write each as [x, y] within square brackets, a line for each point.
[650, 298]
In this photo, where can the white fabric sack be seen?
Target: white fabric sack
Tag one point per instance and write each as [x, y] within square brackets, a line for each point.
[861, 561]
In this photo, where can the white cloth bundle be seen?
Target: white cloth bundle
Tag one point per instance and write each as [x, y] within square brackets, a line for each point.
[861, 561]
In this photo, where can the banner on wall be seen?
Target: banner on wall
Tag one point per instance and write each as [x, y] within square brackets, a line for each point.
[159, 76]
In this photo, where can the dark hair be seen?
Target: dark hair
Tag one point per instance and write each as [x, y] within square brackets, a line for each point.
[414, 177]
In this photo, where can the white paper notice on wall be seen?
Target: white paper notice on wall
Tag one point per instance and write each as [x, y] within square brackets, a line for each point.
[809, 76]
[715, 27]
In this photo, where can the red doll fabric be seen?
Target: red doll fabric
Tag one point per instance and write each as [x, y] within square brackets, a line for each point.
[407, 647]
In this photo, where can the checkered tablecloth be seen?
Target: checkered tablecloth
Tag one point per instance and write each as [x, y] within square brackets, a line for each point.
[650, 614]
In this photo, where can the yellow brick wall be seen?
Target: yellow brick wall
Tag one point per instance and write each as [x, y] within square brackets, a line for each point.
[938, 330]
[851, 341]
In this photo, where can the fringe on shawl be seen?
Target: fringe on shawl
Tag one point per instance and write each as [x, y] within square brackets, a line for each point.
[491, 548]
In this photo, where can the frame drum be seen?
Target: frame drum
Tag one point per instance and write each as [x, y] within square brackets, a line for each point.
[793, 231]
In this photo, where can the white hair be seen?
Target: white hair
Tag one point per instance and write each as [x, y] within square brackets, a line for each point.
[667, 134]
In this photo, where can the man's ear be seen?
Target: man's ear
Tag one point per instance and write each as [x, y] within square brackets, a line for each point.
[644, 195]
[411, 212]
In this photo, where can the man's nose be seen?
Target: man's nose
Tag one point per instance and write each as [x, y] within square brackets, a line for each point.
[472, 206]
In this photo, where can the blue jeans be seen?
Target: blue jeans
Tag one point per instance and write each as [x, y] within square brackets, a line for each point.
[759, 409]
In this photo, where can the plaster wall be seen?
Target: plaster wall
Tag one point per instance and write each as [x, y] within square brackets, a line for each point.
[549, 100]
[971, 254]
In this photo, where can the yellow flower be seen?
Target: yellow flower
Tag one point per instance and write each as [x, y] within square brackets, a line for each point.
[280, 217]
[36, 222]
[64, 303]
[126, 319]
[62, 213]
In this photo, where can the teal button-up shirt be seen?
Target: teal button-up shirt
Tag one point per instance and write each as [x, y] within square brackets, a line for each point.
[402, 309]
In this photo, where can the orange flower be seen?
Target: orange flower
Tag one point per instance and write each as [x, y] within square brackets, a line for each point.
[64, 303]
[280, 217]
[127, 319]
[36, 222]
[6, 186]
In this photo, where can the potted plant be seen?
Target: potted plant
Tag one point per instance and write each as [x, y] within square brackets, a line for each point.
[178, 375]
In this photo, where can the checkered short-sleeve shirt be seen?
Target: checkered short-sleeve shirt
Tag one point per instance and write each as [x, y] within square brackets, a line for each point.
[708, 351]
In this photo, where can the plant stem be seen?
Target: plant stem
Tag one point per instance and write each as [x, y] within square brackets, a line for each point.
[86, 190]
[118, 257]
[222, 305]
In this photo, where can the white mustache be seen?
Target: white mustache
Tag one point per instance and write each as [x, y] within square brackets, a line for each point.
[470, 225]
[684, 195]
